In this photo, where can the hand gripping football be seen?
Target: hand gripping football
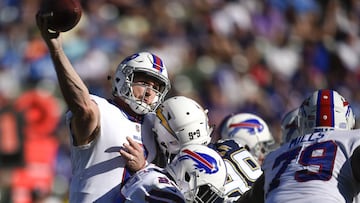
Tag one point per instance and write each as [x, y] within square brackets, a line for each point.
[62, 15]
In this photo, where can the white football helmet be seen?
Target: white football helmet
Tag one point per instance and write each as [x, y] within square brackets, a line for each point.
[290, 126]
[142, 62]
[180, 121]
[200, 173]
[249, 130]
[325, 110]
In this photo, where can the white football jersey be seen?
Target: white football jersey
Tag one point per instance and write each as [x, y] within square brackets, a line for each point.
[98, 168]
[151, 185]
[313, 168]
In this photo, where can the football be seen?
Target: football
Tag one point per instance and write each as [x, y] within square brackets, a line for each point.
[62, 15]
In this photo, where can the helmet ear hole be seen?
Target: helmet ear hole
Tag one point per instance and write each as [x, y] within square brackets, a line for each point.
[187, 177]
[164, 145]
[168, 116]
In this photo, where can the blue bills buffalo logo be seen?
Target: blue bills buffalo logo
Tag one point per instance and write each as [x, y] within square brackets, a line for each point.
[253, 126]
[202, 162]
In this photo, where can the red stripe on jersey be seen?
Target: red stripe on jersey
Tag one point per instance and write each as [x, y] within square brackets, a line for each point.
[325, 111]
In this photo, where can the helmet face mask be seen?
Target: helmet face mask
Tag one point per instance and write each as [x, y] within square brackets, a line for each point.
[290, 126]
[208, 193]
[325, 110]
[146, 64]
[262, 148]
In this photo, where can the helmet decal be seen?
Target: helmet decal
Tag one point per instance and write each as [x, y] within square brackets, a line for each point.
[204, 162]
[325, 114]
[163, 121]
[250, 125]
[157, 63]
[127, 59]
[346, 103]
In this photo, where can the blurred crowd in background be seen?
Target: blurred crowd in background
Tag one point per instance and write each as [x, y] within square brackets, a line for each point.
[258, 56]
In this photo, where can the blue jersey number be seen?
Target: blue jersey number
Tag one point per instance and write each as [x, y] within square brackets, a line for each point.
[317, 160]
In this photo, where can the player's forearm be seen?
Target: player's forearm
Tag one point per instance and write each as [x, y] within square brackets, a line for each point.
[75, 92]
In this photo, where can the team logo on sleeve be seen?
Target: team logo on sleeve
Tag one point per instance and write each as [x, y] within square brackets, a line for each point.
[253, 126]
[203, 162]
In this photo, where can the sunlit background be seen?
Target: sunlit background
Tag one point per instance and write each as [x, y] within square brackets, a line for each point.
[258, 56]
